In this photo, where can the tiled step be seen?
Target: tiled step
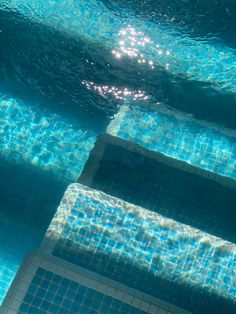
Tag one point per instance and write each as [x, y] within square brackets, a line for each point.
[143, 250]
[46, 284]
[40, 147]
[32, 135]
[168, 186]
[177, 135]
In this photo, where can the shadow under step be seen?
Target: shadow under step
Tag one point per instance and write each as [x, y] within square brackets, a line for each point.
[41, 153]
[205, 145]
[165, 185]
[143, 250]
[45, 284]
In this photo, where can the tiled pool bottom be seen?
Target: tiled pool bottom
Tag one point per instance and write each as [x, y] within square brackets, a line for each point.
[48, 285]
[144, 251]
[23, 221]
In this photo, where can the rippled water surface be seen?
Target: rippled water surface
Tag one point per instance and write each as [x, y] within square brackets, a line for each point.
[54, 50]
[68, 67]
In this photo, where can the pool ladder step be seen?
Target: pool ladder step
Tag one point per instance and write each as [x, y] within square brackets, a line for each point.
[165, 185]
[178, 135]
[49, 285]
[133, 248]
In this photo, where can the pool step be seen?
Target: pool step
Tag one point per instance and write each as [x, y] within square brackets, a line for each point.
[143, 250]
[35, 136]
[180, 136]
[50, 285]
[39, 146]
[168, 186]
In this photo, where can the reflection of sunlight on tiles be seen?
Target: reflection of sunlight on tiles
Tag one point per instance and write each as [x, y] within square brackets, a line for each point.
[92, 228]
[43, 139]
[179, 136]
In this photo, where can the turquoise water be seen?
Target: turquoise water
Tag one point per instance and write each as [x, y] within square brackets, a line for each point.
[163, 185]
[159, 73]
[80, 299]
[43, 139]
[39, 150]
[199, 78]
[134, 246]
[162, 44]
[179, 136]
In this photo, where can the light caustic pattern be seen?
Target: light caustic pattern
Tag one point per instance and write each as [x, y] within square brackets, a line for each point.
[178, 136]
[127, 35]
[30, 135]
[94, 223]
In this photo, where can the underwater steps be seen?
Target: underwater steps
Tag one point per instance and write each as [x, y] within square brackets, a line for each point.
[178, 135]
[167, 259]
[211, 156]
[170, 187]
[34, 291]
[134, 247]
[37, 146]
[42, 139]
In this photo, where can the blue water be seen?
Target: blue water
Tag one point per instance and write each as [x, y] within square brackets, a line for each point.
[126, 171]
[67, 68]
[179, 136]
[79, 298]
[145, 251]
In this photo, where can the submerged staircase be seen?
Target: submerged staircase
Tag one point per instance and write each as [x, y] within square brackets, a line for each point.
[150, 227]
[128, 250]
[175, 253]
[35, 146]
[165, 185]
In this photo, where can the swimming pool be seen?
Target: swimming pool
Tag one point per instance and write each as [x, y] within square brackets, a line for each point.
[160, 76]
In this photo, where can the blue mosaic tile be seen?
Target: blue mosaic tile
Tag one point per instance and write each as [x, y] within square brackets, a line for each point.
[130, 172]
[51, 293]
[145, 251]
[39, 147]
[43, 139]
[17, 238]
[178, 136]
